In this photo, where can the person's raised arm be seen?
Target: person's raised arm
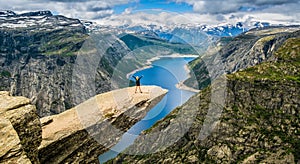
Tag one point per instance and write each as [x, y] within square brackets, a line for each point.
[141, 76]
[133, 76]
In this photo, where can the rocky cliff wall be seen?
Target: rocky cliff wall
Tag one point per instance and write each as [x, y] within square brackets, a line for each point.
[260, 123]
[246, 50]
[38, 54]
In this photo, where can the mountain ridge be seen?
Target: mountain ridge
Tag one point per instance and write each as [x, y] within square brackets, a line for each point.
[243, 51]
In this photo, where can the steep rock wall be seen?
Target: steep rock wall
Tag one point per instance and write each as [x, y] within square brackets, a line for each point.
[241, 52]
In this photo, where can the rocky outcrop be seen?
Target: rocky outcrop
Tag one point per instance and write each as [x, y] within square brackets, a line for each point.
[259, 120]
[10, 144]
[74, 136]
[246, 50]
[91, 128]
[22, 132]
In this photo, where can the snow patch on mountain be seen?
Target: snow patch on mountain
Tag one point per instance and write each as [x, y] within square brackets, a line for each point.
[38, 19]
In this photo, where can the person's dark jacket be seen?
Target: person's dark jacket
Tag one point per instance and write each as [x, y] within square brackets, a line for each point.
[137, 80]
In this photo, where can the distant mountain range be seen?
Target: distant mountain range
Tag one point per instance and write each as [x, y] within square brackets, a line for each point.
[191, 34]
[196, 35]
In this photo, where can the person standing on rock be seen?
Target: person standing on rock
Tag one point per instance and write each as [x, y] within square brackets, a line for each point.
[137, 83]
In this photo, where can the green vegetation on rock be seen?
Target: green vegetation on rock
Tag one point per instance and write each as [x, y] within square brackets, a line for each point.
[5, 74]
[286, 66]
[64, 43]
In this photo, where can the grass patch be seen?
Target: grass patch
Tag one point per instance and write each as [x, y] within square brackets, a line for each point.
[63, 44]
[285, 68]
[5, 74]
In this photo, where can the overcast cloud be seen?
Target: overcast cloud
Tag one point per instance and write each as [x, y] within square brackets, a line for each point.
[83, 9]
[231, 6]
[204, 11]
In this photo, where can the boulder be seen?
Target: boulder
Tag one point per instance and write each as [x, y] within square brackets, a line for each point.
[11, 150]
[25, 131]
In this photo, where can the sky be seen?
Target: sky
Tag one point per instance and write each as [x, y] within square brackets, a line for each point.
[166, 12]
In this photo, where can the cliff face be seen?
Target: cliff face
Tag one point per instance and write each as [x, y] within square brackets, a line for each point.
[21, 131]
[36, 58]
[38, 53]
[246, 50]
[77, 135]
[259, 121]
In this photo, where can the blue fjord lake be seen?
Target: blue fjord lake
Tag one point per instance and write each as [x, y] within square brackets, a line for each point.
[165, 72]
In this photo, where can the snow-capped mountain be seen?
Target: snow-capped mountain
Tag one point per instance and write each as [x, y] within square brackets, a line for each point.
[222, 30]
[38, 19]
[191, 34]
[7, 13]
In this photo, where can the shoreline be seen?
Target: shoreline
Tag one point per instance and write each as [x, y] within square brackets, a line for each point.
[182, 86]
[136, 70]
[149, 62]
[179, 56]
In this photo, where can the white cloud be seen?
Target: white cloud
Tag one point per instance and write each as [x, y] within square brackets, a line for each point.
[208, 12]
[231, 6]
[215, 7]
[128, 10]
[160, 18]
[170, 18]
[83, 9]
[212, 12]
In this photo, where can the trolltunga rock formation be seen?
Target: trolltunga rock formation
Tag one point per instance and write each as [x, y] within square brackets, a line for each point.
[77, 135]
